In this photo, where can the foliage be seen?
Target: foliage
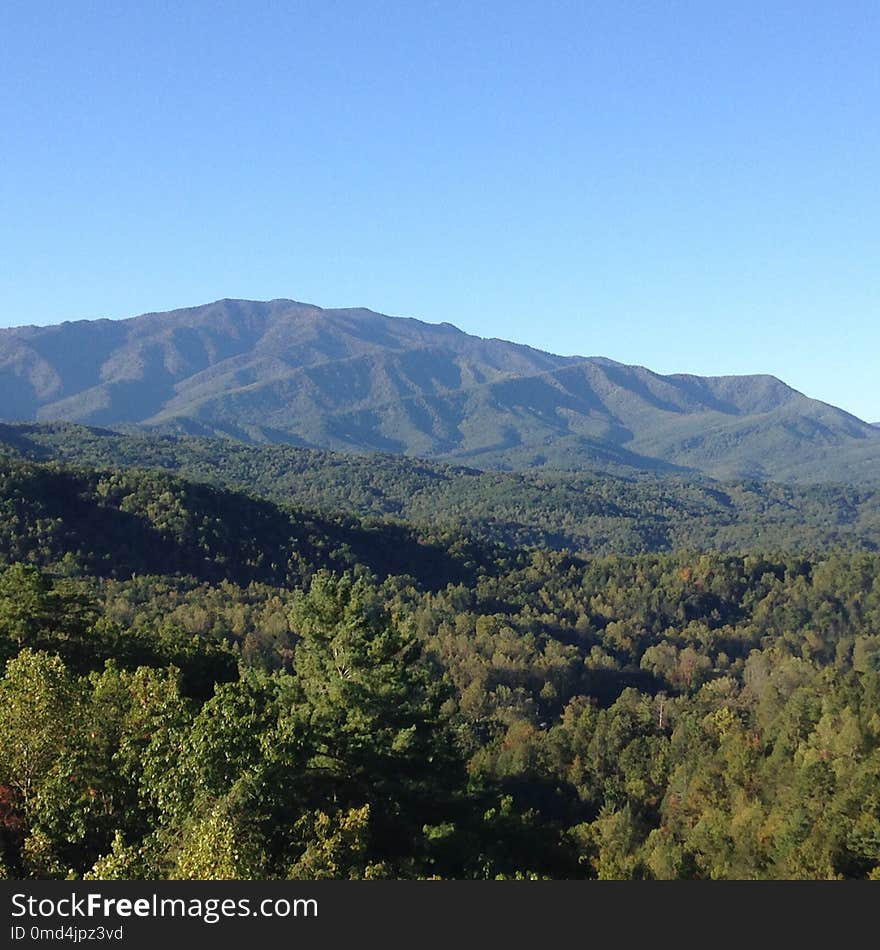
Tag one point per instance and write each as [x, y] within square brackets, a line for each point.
[518, 714]
[587, 510]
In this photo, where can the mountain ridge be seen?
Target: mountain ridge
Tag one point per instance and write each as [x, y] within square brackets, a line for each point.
[355, 380]
[591, 512]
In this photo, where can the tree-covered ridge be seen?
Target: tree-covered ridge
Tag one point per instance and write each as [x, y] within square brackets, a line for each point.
[589, 511]
[120, 523]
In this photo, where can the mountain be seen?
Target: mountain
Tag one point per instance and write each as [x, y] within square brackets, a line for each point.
[359, 381]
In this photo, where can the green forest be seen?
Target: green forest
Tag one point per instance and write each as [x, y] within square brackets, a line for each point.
[230, 662]
[588, 511]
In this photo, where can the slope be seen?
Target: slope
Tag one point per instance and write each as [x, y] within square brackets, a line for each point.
[589, 511]
[116, 524]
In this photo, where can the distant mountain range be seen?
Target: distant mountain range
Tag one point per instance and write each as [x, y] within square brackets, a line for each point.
[359, 381]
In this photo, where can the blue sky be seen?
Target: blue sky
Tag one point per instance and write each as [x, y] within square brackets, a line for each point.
[692, 186]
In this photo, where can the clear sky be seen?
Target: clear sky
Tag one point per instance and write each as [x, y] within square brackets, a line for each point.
[693, 186]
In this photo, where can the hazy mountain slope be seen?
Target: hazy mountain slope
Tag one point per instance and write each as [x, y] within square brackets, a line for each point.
[354, 380]
[127, 370]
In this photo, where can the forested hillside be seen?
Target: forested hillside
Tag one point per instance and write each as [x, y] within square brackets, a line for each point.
[588, 511]
[118, 524]
[200, 684]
